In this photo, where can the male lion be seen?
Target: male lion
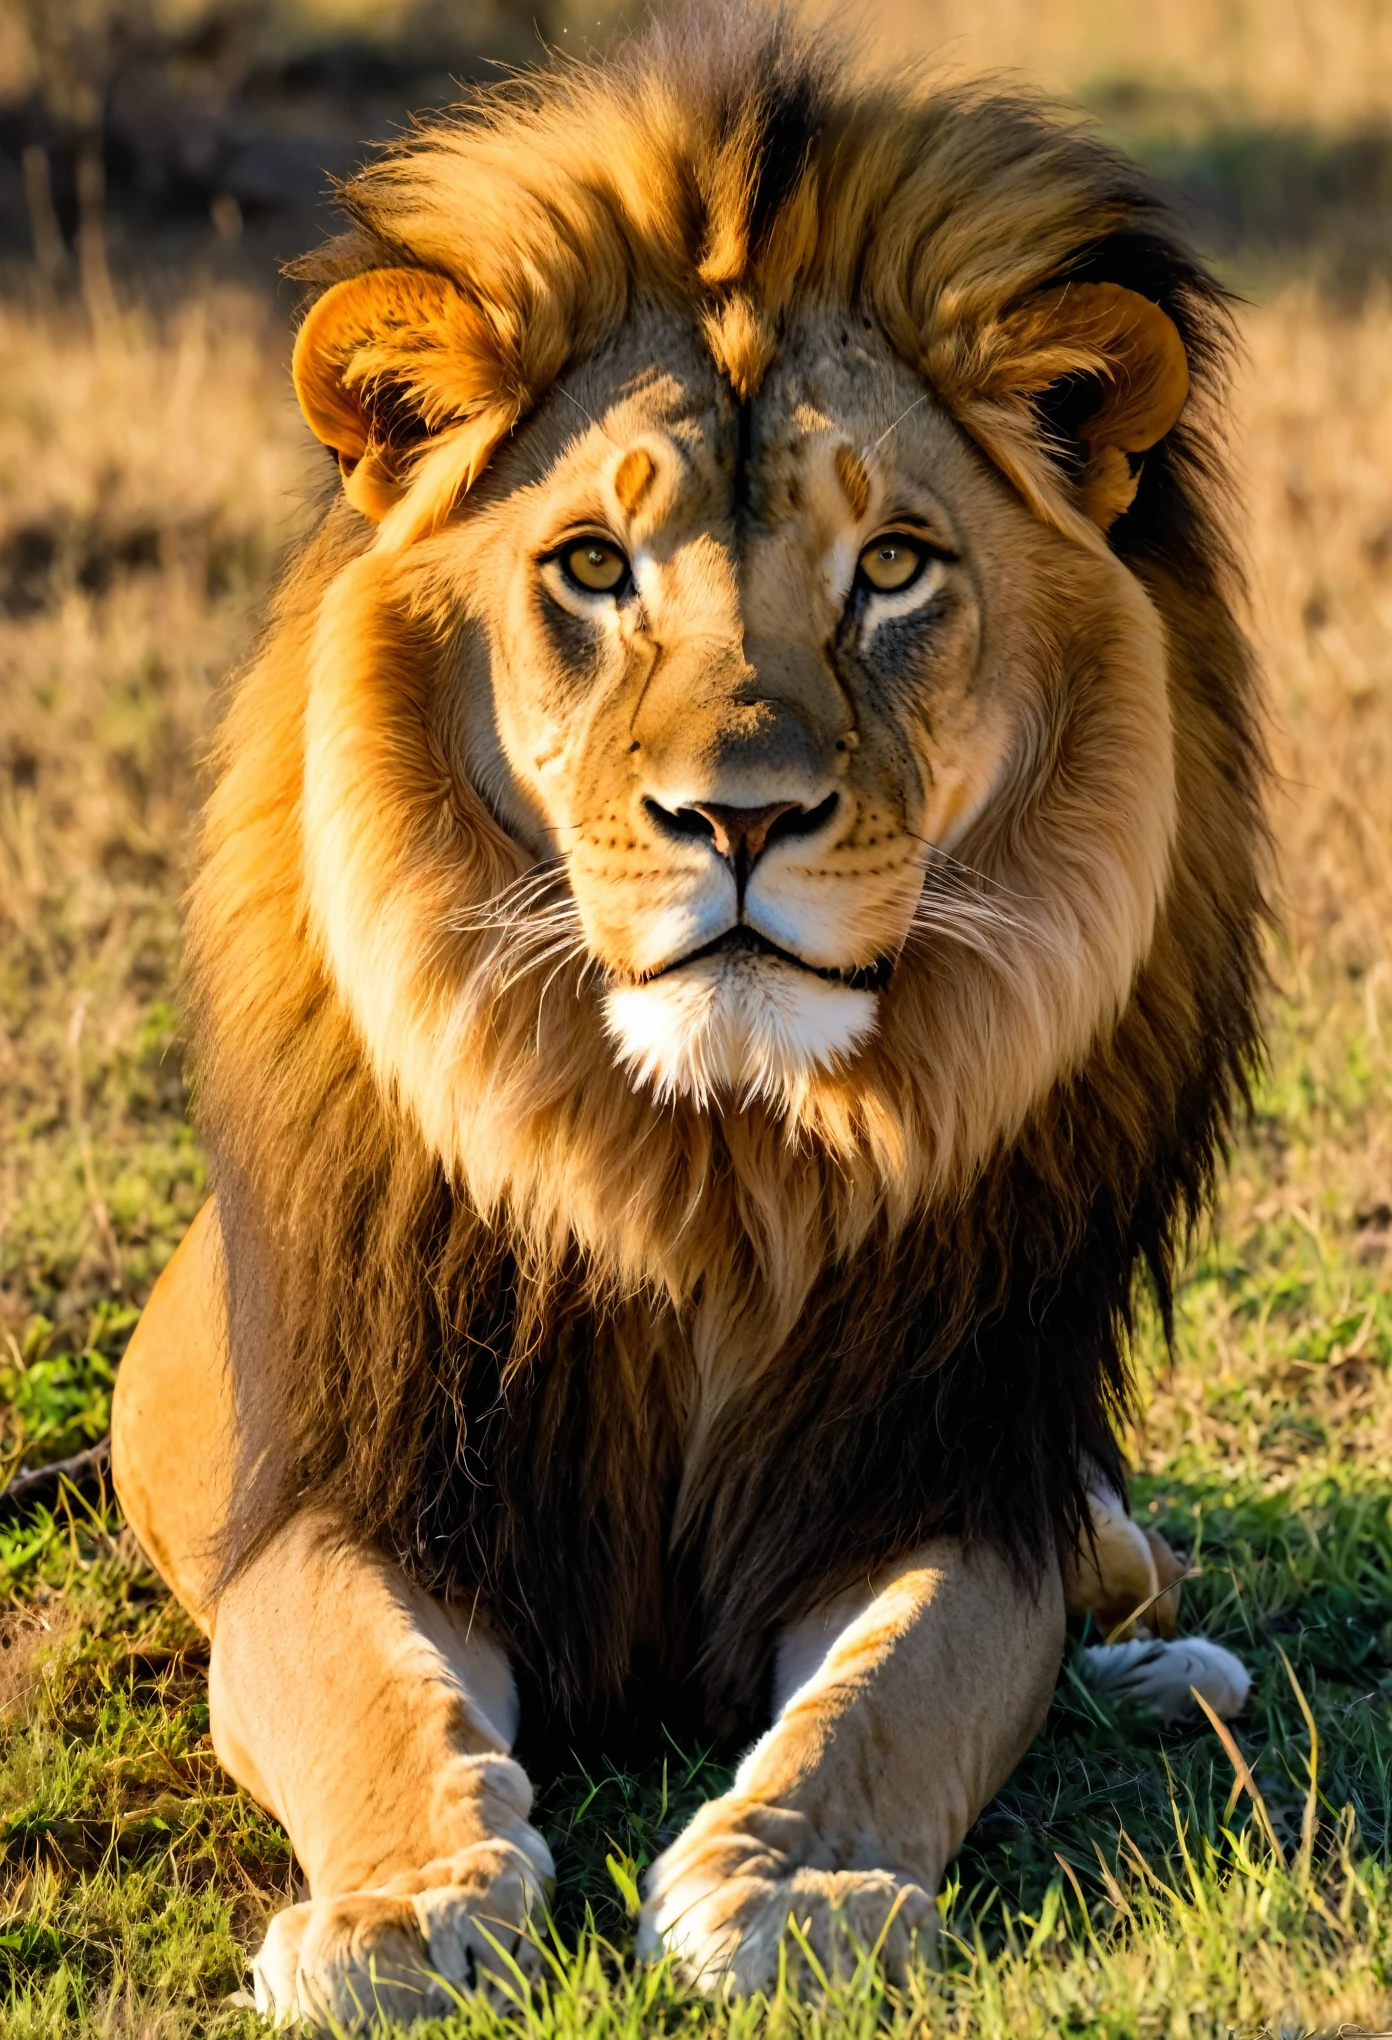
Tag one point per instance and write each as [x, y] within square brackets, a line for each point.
[727, 929]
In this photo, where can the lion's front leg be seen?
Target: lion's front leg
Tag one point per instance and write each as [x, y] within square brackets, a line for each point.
[375, 1724]
[900, 1712]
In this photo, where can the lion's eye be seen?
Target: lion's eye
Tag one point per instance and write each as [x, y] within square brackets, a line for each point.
[595, 565]
[891, 562]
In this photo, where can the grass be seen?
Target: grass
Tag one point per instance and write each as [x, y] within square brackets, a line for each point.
[149, 476]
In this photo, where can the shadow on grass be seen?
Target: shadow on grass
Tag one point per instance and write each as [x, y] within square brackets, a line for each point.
[1309, 1576]
[1106, 1807]
[1266, 200]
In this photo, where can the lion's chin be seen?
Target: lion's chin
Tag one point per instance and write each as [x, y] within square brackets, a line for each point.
[739, 1026]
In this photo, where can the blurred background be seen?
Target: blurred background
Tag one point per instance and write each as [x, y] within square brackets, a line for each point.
[159, 161]
[163, 134]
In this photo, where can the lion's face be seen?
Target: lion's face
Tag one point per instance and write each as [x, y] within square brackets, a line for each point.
[751, 673]
[728, 709]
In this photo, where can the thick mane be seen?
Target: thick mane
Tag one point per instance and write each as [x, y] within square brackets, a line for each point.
[653, 1379]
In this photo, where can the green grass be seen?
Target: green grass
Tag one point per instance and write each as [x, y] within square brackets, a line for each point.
[1111, 1889]
[1115, 1888]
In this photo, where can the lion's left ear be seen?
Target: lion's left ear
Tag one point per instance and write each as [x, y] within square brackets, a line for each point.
[398, 372]
[1107, 372]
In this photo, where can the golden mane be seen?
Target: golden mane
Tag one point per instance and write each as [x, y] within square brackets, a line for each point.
[860, 1296]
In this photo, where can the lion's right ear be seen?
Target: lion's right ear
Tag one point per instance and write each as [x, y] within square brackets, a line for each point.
[1108, 372]
[388, 362]
[1066, 393]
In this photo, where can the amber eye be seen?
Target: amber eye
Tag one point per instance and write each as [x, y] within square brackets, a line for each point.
[891, 562]
[595, 565]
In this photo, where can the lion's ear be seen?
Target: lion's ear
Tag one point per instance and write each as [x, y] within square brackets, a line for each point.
[384, 363]
[1108, 374]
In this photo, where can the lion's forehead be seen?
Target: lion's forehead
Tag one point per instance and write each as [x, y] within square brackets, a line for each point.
[834, 383]
[835, 372]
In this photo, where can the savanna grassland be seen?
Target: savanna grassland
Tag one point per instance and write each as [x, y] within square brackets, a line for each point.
[1129, 1881]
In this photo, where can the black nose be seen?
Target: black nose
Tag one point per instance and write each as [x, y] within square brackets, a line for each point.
[742, 834]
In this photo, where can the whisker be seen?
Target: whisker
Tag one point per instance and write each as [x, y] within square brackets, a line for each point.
[523, 960]
[954, 899]
[517, 901]
[535, 941]
[947, 900]
[983, 936]
[954, 866]
[991, 932]
[552, 975]
[959, 904]
[523, 928]
[914, 406]
[537, 963]
[563, 391]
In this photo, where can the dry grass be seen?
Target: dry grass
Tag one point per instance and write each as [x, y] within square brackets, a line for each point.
[148, 477]
[1311, 1188]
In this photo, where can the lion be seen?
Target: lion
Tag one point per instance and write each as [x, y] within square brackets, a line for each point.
[727, 938]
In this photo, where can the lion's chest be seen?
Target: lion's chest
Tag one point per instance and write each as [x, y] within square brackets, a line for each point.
[631, 1539]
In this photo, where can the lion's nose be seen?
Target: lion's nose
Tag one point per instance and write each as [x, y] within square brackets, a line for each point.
[742, 834]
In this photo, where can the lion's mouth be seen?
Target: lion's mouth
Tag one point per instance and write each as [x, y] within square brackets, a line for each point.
[742, 939]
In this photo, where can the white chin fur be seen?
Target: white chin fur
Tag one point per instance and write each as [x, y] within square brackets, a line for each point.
[746, 1026]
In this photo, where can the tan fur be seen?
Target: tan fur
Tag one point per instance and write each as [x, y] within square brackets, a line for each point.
[330, 1674]
[584, 1289]
[907, 1692]
[1122, 1575]
[851, 473]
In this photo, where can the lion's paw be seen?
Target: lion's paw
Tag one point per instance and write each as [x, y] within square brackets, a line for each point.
[1159, 1675]
[725, 1897]
[409, 1949]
